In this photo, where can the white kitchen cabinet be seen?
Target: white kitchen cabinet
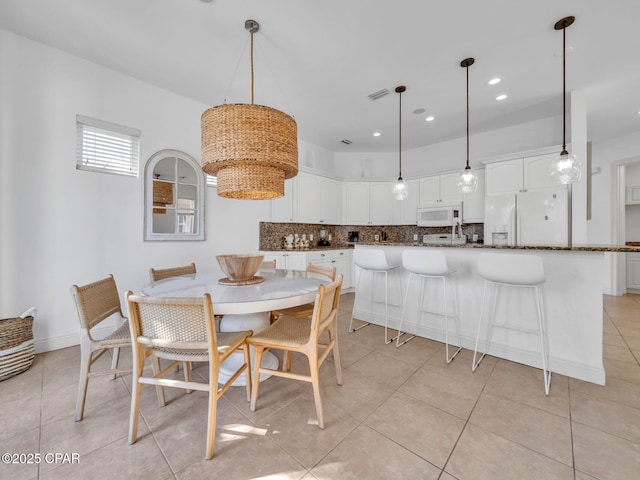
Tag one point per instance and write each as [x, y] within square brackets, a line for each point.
[341, 259]
[473, 202]
[356, 203]
[439, 189]
[283, 209]
[519, 175]
[405, 211]
[537, 172]
[331, 201]
[633, 271]
[288, 260]
[504, 177]
[381, 203]
[319, 199]
[633, 195]
[368, 203]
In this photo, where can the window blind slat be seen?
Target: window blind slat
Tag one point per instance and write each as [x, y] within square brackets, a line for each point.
[106, 147]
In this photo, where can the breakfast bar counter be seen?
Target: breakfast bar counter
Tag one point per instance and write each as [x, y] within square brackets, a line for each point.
[573, 304]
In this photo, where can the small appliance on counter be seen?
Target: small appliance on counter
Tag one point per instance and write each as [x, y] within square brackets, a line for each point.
[323, 242]
[353, 236]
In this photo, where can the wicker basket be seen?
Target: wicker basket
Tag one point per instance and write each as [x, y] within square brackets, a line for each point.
[16, 344]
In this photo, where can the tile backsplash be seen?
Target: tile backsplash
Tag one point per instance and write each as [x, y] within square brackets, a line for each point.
[271, 234]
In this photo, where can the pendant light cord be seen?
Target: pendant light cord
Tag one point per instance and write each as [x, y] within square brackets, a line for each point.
[467, 118]
[564, 91]
[400, 138]
[251, 68]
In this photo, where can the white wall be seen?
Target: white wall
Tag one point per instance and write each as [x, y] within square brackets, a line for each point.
[62, 226]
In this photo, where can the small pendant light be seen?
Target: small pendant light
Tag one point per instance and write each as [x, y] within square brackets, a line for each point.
[566, 167]
[468, 180]
[400, 188]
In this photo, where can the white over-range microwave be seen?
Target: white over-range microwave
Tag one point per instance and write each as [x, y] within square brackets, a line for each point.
[441, 216]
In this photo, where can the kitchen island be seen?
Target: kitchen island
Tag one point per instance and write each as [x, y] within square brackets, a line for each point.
[573, 304]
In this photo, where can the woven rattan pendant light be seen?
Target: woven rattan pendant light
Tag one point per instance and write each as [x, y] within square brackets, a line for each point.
[252, 149]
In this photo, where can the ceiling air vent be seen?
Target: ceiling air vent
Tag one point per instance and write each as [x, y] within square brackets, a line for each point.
[378, 94]
[346, 141]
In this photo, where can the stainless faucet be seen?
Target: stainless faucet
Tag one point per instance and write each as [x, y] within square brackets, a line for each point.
[454, 237]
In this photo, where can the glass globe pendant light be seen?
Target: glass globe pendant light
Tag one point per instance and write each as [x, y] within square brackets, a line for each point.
[468, 179]
[400, 191]
[565, 168]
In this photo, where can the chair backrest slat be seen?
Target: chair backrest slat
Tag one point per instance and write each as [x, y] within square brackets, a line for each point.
[161, 274]
[185, 323]
[326, 305]
[96, 301]
[314, 270]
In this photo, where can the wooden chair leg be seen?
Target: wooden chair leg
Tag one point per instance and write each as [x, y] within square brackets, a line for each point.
[187, 374]
[136, 389]
[286, 365]
[85, 362]
[114, 362]
[155, 367]
[212, 412]
[333, 336]
[256, 377]
[315, 381]
[247, 359]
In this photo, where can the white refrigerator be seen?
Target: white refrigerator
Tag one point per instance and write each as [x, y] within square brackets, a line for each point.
[527, 218]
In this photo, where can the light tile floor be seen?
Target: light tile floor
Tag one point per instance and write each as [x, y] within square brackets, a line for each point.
[401, 413]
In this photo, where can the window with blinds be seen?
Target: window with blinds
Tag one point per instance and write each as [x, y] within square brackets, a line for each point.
[212, 181]
[106, 147]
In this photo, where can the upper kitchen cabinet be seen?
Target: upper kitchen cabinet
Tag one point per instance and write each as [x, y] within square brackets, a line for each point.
[405, 211]
[368, 203]
[473, 203]
[319, 199]
[439, 189]
[504, 177]
[284, 209]
[519, 175]
[537, 172]
[381, 203]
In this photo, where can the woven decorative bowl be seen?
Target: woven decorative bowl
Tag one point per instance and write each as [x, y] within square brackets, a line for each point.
[240, 269]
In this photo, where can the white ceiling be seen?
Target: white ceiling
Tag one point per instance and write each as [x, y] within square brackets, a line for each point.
[318, 60]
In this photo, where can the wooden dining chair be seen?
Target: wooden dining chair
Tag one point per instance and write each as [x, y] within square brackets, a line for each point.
[161, 274]
[315, 271]
[181, 330]
[95, 303]
[296, 334]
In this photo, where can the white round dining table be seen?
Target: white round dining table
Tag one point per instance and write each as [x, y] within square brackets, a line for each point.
[245, 307]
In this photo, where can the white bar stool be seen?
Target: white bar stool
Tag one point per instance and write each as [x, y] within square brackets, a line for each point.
[519, 271]
[428, 264]
[374, 261]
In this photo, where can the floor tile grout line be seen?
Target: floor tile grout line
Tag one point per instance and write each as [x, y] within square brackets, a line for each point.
[466, 423]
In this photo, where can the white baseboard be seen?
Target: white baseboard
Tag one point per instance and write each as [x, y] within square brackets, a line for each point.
[63, 341]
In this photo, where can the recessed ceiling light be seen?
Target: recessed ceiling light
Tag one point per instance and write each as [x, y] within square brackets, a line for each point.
[494, 81]
[501, 97]
[418, 111]
[376, 134]
[429, 119]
